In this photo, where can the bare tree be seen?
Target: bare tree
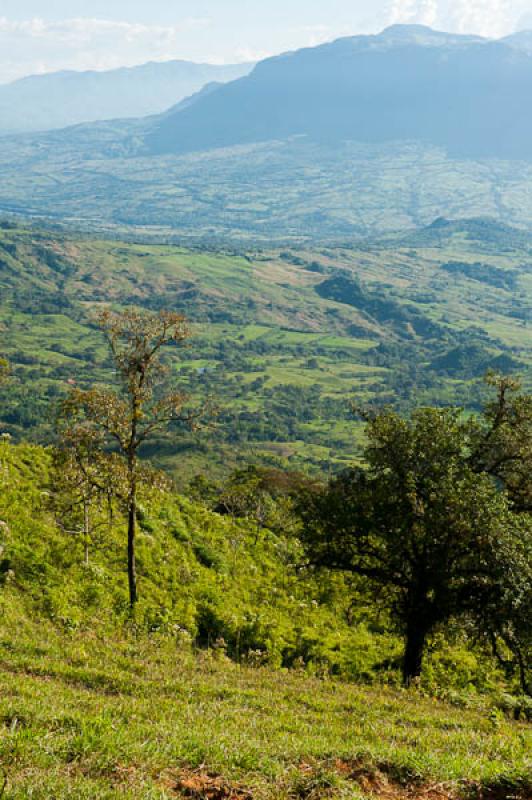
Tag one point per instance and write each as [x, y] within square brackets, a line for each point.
[126, 417]
[87, 479]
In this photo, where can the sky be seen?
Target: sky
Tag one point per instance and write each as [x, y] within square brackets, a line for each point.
[38, 36]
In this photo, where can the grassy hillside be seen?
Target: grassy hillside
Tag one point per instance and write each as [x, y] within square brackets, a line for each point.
[214, 690]
[131, 718]
[202, 576]
[282, 339]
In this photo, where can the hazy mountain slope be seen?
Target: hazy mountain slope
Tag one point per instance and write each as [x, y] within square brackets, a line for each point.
[522, 40]
[307, 152]
[44, 102]
[468, 95]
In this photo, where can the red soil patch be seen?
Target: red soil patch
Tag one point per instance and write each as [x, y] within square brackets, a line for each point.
[200, 785]
[377, 782]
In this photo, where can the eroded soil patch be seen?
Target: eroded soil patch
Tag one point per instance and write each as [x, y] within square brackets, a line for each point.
[384, 782]
[317, 781]
[202, 785]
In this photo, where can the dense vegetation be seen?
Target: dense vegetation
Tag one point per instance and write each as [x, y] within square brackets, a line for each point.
[265, 532]
[126, 708]
[439, 521]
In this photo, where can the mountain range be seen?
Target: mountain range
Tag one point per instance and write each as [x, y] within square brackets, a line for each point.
[466, 94]
[60, 99]
[357, 137]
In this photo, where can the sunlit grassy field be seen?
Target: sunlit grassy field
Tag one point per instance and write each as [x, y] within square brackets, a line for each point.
[86, 717]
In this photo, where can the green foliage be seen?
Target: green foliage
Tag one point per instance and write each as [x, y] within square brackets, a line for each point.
[426, 525]
[128, 418]
[502, 446]
[202, 577]
[222, 614]
[4, 369]
[504, 611]
[200, 574]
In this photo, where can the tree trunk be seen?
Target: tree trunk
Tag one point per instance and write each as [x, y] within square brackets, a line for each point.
[86, 530]
[416, 635]
[131, 530]
[523, 673]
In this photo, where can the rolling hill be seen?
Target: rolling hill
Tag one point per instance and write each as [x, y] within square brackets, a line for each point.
[97, 706]
[339, 230]
[56, 100]
[284, 339]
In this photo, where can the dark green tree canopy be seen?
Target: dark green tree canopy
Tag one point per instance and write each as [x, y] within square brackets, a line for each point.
[502, 440]
[420, 521]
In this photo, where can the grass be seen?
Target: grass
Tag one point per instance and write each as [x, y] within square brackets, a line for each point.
[96, 705]
[86, 717]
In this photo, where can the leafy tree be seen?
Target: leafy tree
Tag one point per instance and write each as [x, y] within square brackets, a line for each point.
[504, 604]
[502, 440]
[203, 490]
[245, 496]
[418, 522]
[264, 495]
[129, 415]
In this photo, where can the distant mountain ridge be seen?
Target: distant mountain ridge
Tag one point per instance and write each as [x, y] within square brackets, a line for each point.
[360, 137]
[522, 40]
[464, 93]
[60, 99]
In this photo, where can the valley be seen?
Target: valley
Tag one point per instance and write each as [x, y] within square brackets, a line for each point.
[283, 340]
[325, 144]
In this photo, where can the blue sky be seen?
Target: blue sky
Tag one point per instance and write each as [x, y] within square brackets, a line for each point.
[44, 35]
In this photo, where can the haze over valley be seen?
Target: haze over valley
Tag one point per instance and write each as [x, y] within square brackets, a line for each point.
[361, 136]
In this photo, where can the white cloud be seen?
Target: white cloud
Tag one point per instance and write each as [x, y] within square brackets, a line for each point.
[36, 46]
[246, 55]
[428, 13]
[403, 12]
[491, 18]
[314, 35]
